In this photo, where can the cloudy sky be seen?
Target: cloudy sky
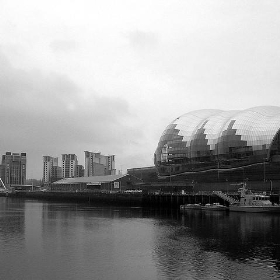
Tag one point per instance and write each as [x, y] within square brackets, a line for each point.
[108, 76]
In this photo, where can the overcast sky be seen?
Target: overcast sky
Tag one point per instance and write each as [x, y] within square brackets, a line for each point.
[108, 76]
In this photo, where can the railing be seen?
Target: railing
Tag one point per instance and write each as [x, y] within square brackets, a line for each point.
[3, 188]
[226, 197]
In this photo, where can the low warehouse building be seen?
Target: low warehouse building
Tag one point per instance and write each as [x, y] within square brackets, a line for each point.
[106, 183]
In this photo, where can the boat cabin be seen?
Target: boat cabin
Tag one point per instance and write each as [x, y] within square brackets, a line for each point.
[249, 198]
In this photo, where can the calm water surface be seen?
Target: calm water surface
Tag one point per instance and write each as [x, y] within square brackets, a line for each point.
[44, 240]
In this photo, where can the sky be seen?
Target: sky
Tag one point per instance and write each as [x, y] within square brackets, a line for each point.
[108, 76]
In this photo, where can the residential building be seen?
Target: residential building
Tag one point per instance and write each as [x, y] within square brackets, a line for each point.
[69, 165]
[13, 168]
[110, 165]
[97, 164]
[57, 173]
[80, 171]
[51, 171]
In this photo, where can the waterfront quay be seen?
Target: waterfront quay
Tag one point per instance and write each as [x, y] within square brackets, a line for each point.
[152, 199]
[174, 200]
[103, 198]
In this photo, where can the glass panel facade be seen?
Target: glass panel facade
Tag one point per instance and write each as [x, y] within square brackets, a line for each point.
[215, 139]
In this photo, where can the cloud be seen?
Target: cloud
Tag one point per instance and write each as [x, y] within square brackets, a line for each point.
[63, 45]
[142, 41]
[48, 114]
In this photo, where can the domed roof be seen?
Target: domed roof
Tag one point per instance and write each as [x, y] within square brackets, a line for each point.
[209, 132]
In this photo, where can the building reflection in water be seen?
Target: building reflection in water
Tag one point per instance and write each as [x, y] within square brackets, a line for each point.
[12, 221]
[224, 245]
[98, 242]
[12, 235]
[47, 240]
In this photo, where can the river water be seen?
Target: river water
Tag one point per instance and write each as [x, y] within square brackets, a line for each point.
[47, 240]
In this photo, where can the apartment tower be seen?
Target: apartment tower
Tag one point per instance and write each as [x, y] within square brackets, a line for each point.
[13, 168]
[69, 165]
[51, 171]
[97, 164]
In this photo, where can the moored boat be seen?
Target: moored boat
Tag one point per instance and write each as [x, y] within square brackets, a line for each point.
[253, 202]
[186, 207]
[208, 206]
[214, 207]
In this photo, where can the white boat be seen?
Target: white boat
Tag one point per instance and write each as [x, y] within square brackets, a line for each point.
[253, 202]
[214, 207]
[190, 207]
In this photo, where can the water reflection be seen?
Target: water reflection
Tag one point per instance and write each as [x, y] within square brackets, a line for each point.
[43, 240]
[238, 235]
[11, 222]
[222, 246]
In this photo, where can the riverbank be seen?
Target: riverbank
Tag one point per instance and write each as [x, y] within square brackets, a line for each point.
[159, 200]
[90, 197]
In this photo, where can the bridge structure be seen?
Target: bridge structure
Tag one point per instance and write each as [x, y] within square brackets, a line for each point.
[3, 188]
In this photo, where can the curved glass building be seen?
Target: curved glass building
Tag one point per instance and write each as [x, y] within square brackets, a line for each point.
[211, 144]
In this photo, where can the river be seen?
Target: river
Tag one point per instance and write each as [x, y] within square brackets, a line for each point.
[50, 240]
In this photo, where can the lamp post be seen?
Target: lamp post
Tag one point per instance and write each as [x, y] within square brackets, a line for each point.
[264, 170]
[270, 187]
[170, 174]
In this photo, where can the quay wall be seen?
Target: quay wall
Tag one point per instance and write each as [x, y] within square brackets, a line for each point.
[194, 187]
[84, 197]
[157, 200]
